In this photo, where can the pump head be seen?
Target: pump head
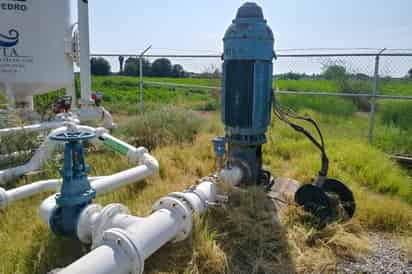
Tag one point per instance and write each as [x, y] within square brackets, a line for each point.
[247, 90]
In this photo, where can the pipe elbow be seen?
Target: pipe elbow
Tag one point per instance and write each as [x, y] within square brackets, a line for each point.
[151, 163]
[46, 209]
[3, 198]
[231, 176]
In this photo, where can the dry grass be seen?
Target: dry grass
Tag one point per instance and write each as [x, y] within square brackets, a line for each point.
[318, 251]
[241, 238]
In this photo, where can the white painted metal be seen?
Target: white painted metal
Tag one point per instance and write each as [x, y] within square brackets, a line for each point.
[43, 152]
[130, 240]
[32, 128]
[231, 176]
[36, 61]
[85, 73]
[104, 260]
[109, 183]
[123, 178]
[134, 154]
[7, 197]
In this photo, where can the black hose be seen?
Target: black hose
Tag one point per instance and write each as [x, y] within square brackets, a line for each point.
[283, 116]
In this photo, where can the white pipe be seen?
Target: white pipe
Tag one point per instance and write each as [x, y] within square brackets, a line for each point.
[104, 260]
[36, 162]
[7, 197]
[120, 179]
[85, 78]
[109, 183]
[231, 176]
[43, 152]
[138, 238]
[133, 154]
[32, 128]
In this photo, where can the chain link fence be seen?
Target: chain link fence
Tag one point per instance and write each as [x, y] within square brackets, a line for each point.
[369, 83]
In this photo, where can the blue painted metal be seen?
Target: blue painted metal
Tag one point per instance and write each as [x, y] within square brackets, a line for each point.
[247, 88]
[76, 192]
[219, 146]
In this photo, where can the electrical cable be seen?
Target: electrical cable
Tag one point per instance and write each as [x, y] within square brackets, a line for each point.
[283, 116]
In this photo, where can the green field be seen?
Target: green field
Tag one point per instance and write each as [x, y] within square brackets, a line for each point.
[178, 130]
[393, 131]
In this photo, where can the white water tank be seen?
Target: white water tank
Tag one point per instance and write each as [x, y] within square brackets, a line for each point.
[35, 40]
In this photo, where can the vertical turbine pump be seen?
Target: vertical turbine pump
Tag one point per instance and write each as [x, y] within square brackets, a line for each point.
[247, 92]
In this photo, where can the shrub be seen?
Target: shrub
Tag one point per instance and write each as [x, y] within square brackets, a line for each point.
[165, 126]
[325, 105]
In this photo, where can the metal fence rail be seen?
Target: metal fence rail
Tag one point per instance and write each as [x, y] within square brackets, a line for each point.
[373, 65]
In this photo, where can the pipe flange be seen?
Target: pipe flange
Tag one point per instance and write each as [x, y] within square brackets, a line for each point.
[104, 222]
[184, 212]
[84, 225]
[3, 198]
[117, 237]
[195, 207]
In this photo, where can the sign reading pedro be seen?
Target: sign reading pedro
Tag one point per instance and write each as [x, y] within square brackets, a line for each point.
[14, 5]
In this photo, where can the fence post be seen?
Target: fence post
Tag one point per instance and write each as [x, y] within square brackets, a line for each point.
[141, 77]
[141, 83]
[373, 98]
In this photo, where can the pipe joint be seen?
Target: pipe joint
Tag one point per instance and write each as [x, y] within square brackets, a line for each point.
[151, 162]
[86, 223]
[3, 198]
[137, 154]
[119, 238]
[183, 211]
[105, 222]
[231, 176]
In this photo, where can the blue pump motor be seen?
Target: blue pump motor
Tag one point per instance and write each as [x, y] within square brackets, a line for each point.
[247, 89]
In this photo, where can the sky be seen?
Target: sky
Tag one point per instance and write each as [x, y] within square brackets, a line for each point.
[188, 26]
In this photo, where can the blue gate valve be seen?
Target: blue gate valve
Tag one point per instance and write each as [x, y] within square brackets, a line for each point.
[76, 192]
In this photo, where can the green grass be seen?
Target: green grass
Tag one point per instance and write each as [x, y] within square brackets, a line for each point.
[222, 241]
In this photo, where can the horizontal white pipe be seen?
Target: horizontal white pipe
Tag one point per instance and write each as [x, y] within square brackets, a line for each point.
[133, 154]
[231, 176]
[108, 183]
[120, 179]
[43, 153]
[104, 260]
[139, 238]
[7, 197]
[32, 128]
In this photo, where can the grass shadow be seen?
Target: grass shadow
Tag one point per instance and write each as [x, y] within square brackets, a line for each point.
[48, 252]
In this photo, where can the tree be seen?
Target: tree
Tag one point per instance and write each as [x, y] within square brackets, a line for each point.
[121, 63]
[335, 72]
[162, 67]
[100, 66]
[178, 71]
[410, 73]
[132, 67]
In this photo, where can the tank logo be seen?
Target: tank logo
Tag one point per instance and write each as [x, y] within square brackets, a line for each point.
[10, 40]
[16, 5]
